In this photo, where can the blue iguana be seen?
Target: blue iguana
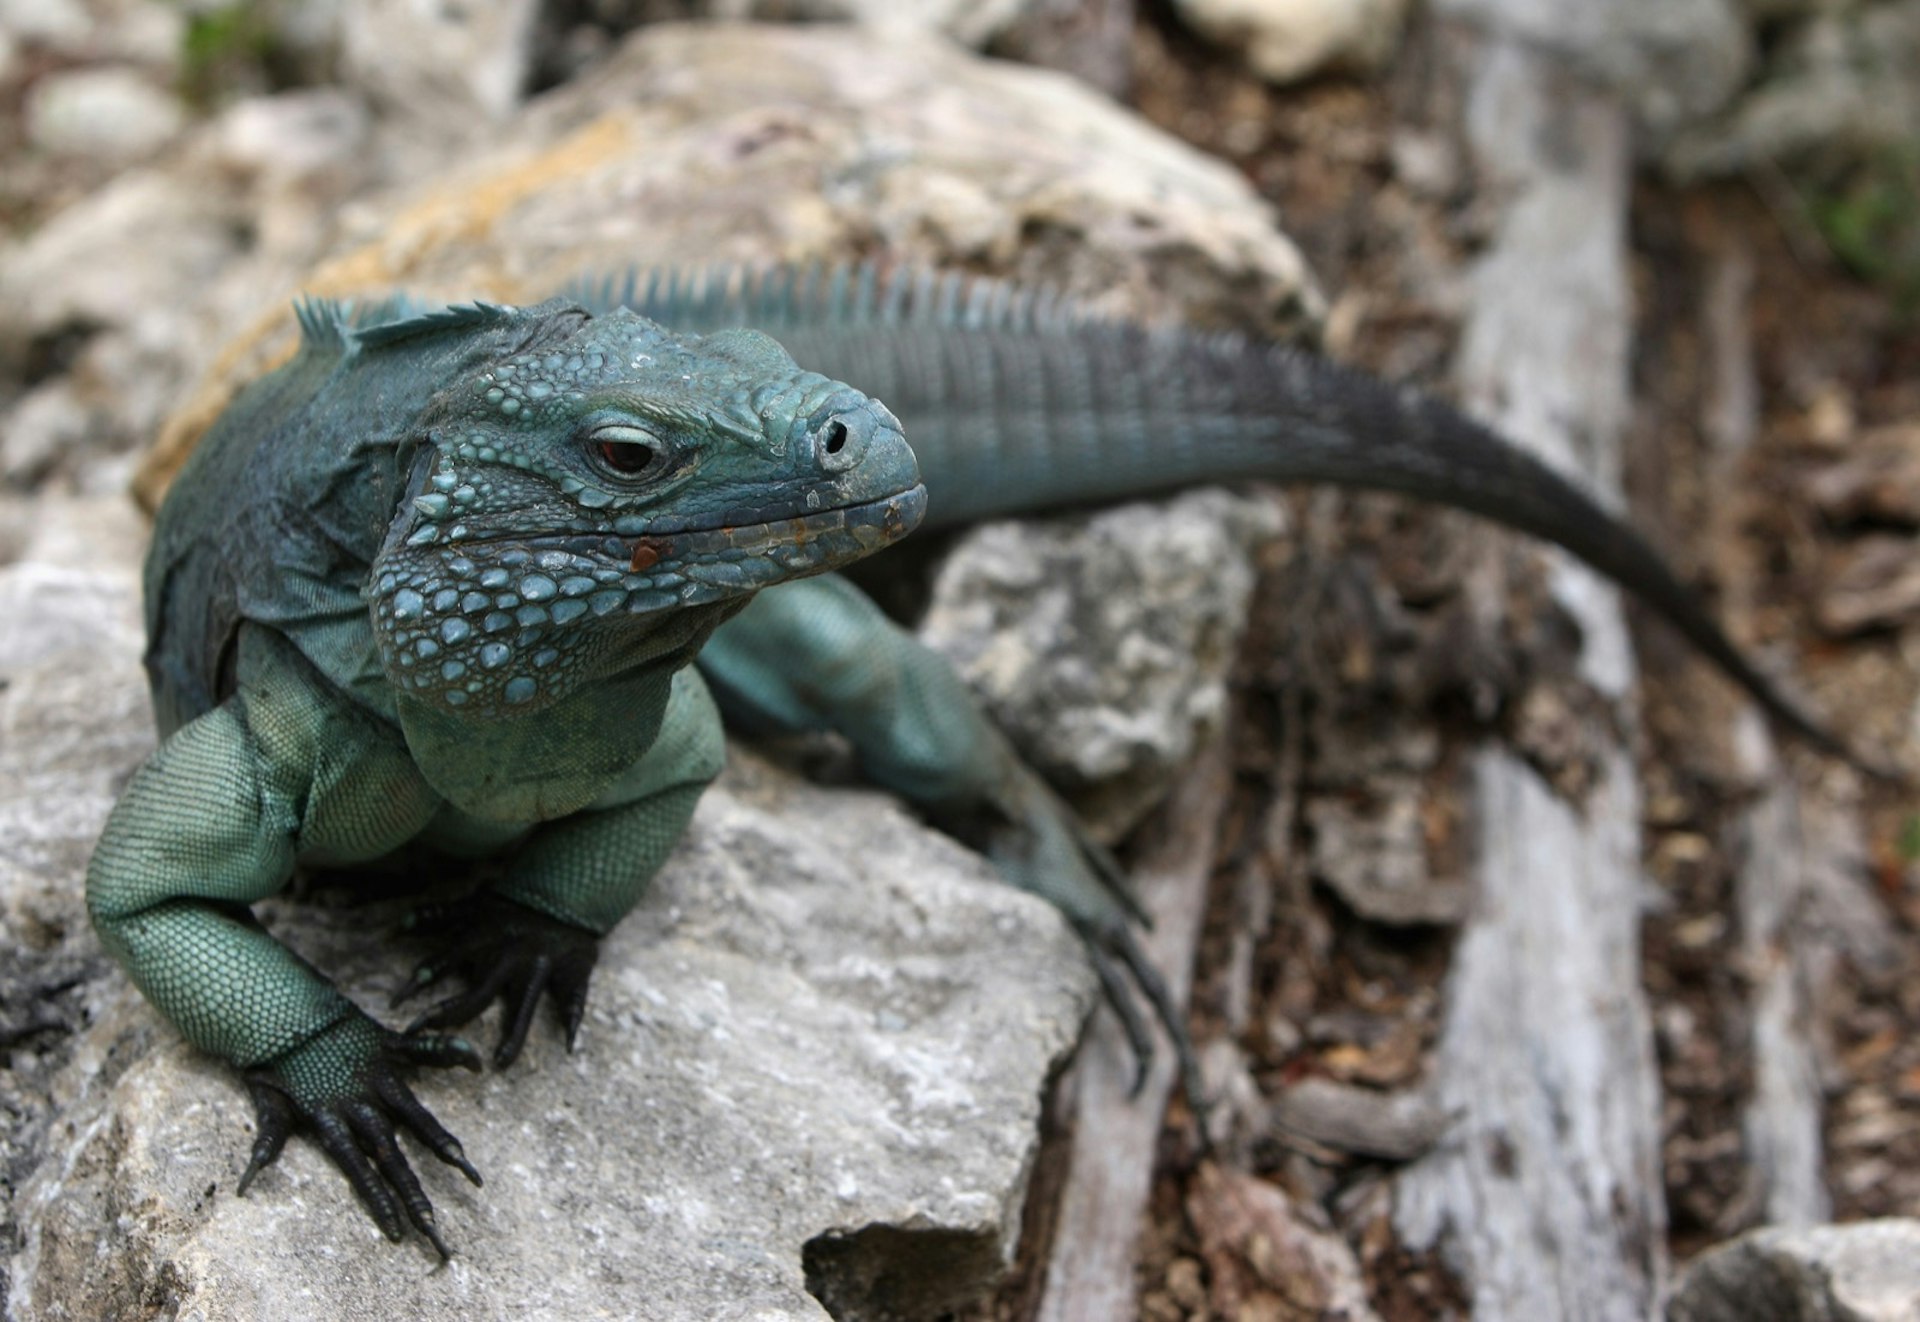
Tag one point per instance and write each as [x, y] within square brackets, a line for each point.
[442, 580]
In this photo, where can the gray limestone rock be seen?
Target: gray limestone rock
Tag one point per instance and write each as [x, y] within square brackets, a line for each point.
[972, 22]
[69, 728]
[134, 283]
[813, 1058]
[1102, 643]
[47, 422]
[1865, 1272]
[444, 70]
[146, 32]
[137, 282]
[1288, 40]
[113, 114]
[61, 24]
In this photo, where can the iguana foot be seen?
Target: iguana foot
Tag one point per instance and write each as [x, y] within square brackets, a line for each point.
[345, 1085]
[1117, 957]
[503, 950]
[1039, 844]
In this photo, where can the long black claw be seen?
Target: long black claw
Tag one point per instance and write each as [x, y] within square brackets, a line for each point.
[376, 1136]
[346, 1086]
[273, 1121]
[1148, 979]
[419, 1121]
[573, 1010]
[509, 952]
[456, 1156]
[522, 999]
[336, 1137]
[441, 1050]
[1120, 998]
[427, 1226]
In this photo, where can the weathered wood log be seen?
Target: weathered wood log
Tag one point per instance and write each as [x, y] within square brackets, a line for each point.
[1090, 1276]
[1545, 1198]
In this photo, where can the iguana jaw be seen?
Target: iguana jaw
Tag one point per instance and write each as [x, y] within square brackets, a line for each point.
[701, 566]
[511, 623]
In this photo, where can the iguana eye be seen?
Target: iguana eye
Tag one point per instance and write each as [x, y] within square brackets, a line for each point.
[627, 450]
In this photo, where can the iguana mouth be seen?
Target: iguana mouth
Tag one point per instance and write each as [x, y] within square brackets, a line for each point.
[500, 586]
[468, 617]
[828, 537]
[700, 565]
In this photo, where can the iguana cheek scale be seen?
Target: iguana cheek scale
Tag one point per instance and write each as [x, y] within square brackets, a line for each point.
[442, 580]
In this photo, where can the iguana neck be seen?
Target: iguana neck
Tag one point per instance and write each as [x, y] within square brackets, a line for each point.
[541, 761]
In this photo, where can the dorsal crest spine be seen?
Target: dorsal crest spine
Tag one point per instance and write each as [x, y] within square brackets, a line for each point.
[402, 319]
[864, 294]
[336, 325]
[324, 322]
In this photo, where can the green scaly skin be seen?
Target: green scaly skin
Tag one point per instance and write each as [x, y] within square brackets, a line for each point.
[440, 580]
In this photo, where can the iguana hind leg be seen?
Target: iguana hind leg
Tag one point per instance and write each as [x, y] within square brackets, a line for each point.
[819, 655]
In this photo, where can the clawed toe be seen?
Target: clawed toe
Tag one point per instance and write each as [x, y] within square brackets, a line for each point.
[345, 1087]
[506, 952]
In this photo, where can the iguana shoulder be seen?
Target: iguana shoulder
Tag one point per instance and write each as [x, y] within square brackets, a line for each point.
[278, 514]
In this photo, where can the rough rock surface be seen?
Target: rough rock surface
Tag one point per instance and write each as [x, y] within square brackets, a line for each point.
[824, 1018]
[974, 22]
[110, 113]
[1865, 1272]
[1287, 40]
[1103, 643]
[134, 30]
[132, 287]
[438, 67]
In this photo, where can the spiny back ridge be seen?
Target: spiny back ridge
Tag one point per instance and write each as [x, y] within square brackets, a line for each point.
[402, 318]
[324, 323]
[776, 296]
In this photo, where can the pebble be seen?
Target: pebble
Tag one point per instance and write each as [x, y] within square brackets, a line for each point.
[108, 114]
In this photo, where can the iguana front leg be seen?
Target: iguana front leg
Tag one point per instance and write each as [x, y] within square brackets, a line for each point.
[215, 821]
[819, 655]
[538, 929]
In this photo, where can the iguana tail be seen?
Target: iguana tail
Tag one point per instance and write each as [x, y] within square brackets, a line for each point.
[1016, 400]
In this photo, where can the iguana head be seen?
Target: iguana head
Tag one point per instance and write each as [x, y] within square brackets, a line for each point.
[604, 493]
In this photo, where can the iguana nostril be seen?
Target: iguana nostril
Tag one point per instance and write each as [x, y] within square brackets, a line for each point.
[842, 440]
